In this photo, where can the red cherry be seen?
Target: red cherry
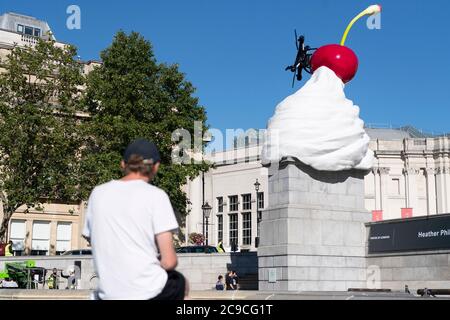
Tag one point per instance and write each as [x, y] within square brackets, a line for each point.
[341, 59]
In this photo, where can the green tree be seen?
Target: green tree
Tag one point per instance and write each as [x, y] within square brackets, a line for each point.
[39, 139]
[132, 96]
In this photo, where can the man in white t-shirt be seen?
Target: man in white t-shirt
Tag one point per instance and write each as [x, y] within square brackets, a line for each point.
[127, 222]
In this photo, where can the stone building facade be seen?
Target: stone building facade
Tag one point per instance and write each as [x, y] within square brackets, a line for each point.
[410, 178]
[51, 228]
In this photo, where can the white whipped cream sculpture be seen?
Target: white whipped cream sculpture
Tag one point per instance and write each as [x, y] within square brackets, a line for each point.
[320, 127]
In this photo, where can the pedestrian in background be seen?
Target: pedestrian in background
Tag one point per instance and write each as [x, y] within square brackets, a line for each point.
[53, 280]
[220, 247]
[219, 284]
[229, 281]
[235, 280]
[71, 280]
[9, 249]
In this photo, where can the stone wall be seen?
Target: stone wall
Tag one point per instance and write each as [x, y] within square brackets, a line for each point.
[313, 236]
[201, 270]
[66, 264]
[418, 270]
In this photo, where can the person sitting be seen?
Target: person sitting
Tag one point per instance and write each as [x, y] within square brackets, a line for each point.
[229, 281]
[219, 284]
[235, 280]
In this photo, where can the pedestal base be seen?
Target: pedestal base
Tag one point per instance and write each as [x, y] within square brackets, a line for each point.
[313, 236]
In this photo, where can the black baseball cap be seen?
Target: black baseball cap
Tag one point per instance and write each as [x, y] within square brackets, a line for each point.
[144, 148]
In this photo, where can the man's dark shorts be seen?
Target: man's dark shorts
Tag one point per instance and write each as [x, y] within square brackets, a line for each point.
[174, 288]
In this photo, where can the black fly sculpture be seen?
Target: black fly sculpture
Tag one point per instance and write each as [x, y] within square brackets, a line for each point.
[302, 60]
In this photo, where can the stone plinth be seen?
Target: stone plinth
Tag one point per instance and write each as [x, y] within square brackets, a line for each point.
[313, 234]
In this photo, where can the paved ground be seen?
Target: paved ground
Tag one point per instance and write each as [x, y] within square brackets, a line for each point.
[256, 295]
[215, 295]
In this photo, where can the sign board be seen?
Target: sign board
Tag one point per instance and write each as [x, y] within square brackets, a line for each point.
[272, 275]
[428, 233]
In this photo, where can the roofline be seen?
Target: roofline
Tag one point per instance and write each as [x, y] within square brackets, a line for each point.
[22, 15]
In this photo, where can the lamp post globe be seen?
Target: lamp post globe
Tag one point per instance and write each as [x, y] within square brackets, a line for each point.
[257, 185]
[206, 214]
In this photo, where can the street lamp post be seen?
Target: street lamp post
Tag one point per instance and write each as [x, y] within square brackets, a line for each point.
[206, 214]
[258, 214]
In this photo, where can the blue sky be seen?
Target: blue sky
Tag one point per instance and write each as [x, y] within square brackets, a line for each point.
[235, 51]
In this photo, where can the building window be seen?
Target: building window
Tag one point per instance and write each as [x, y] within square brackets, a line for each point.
[233, 229]
[395, 187]
[63, 237]
[246, 202]
[219, 228]
[40, 243]
[220, 204]
[260, 200]
[17, 236]
[247, 228]
[28, 31]
[234, 203]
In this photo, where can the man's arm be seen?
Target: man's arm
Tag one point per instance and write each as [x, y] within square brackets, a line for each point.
[169, 259]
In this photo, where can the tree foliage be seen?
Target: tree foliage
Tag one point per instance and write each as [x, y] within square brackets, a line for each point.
[39, 139]
[132, 96]
[47, 152]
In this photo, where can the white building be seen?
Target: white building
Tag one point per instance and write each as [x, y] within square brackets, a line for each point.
[411, 177]
[51, 228]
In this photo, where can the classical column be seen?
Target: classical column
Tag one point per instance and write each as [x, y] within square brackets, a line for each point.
[28, 236]
[411, 188]
[384, 189]
[377, 188]
[82, 242]
[431, 190]
[53, 238]
[194, 222]
[446, 173]
[442, 189]
[447, 189]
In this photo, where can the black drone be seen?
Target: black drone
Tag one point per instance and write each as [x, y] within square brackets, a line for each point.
[302, 60]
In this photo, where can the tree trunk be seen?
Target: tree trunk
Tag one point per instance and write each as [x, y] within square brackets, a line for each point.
[8, 212]
[4, 226]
